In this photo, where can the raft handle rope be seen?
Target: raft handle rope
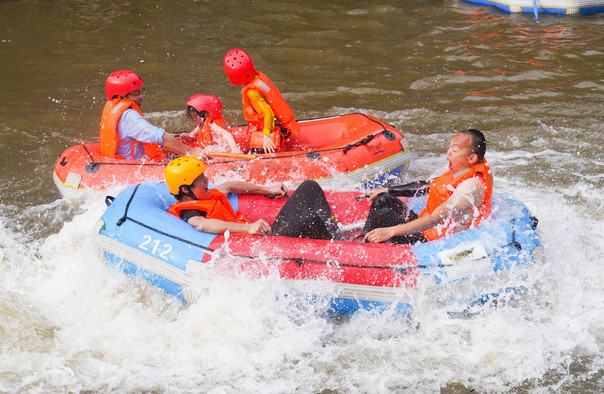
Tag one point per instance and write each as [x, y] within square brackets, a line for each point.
[364, 141]
[123, 218]
[277, 195]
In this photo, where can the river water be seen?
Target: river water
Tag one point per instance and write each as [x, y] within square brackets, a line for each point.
[70, 323]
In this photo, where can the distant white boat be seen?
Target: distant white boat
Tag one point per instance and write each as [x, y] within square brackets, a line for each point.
[568, 7]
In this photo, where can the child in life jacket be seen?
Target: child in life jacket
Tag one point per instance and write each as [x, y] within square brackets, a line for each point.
[212, 132]
[262, 103]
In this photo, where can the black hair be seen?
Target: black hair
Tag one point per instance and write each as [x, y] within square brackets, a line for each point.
[479, 143]
[191, 110]
[189, 193]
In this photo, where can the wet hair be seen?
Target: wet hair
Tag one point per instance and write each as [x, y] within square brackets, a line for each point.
[180, 195]
[479, 143]
[191, 111]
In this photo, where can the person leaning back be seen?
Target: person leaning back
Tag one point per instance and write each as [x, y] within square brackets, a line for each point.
[458, 199]
[305, 214]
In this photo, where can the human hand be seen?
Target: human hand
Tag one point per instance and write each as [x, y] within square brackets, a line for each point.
[197, 152]
[277, 190]
[267, 144]
[379, 235]
[259, 227]
[374, 193]
[187, 138]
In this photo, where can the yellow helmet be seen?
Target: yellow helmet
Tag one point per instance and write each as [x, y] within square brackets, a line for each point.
[183, 171]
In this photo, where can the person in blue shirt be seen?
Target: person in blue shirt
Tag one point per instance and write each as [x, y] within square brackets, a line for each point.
[124, 130]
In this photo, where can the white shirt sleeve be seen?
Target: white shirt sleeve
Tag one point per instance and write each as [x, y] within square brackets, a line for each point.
[467, 197]
[133, 127]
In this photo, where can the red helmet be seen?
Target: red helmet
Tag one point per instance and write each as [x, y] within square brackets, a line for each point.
[122, 82]
[239, 67]
[206, 102]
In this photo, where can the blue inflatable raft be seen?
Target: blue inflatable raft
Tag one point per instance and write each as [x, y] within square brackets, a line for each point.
[473, 267]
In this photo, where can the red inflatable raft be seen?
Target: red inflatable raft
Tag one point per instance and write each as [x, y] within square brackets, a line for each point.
[361, 147]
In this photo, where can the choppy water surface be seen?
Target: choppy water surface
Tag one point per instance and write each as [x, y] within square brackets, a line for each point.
[68, 322]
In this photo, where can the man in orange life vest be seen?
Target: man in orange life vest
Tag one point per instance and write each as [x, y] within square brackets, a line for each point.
[305, 214]
[124, 130]
[262, 101]
[457, 200]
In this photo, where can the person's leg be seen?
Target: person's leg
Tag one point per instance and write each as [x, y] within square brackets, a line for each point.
[306, 214]
[387, 211]
[409, 239]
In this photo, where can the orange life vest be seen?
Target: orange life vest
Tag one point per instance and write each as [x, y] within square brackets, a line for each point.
[204, 137]
[216, 207]
[273, 97]
[109, 139]
[257, 139]
[443, 187]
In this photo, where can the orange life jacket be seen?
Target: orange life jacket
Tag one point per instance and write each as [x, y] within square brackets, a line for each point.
[257, 138]
[109, 139]
[443, 187]
[204, 137]
[216, 207]
[273, 97]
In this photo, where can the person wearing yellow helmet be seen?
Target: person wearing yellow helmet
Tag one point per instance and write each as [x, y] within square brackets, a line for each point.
[306, 214]
[207, 209]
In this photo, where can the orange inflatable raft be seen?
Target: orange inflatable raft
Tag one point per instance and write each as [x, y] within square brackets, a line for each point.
[365, 150]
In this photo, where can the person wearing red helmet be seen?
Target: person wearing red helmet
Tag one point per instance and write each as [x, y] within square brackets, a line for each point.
[262, 101]
[212, 132]
[124, 131]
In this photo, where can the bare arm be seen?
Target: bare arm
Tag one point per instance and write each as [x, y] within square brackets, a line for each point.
[417, 188]
[236, 187]
[172, 143]
[460, 206]
[216, 226]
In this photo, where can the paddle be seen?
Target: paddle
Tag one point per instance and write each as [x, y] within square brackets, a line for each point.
[242, 156]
